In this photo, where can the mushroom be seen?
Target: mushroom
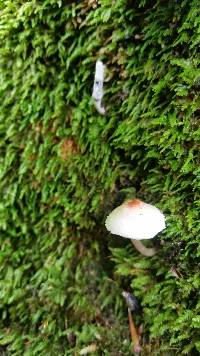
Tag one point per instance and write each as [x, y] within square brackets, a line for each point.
[136, 220]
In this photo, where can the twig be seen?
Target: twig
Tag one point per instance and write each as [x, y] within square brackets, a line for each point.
[132, 304]
[134, 336]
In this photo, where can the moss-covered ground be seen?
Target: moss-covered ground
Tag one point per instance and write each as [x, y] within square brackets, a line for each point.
[63, 167]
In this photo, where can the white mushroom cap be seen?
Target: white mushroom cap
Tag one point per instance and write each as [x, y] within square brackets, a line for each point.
[136, 220]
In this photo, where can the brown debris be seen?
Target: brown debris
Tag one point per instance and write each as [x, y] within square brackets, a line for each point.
[134, 335]
[90, 3]
[68, 148]
[88, 349]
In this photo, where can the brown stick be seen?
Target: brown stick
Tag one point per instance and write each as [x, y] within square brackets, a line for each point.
[134, 335]
[145, 251]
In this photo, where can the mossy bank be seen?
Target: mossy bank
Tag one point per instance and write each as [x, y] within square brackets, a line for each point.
[63, 166]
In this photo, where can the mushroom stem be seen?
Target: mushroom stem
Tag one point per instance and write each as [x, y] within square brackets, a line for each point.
[145, 251]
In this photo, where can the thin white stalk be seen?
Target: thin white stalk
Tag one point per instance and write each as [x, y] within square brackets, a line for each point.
[145, 251]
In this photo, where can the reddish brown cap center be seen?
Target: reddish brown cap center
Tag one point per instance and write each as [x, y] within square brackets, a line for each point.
[134, 203]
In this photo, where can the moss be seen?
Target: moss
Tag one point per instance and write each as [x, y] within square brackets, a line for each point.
[63, 167]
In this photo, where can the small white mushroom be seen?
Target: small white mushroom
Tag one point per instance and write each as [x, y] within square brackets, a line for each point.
[97, 93]
[136, 220]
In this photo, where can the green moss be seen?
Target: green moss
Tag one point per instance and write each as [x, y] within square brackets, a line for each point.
[63, 167]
